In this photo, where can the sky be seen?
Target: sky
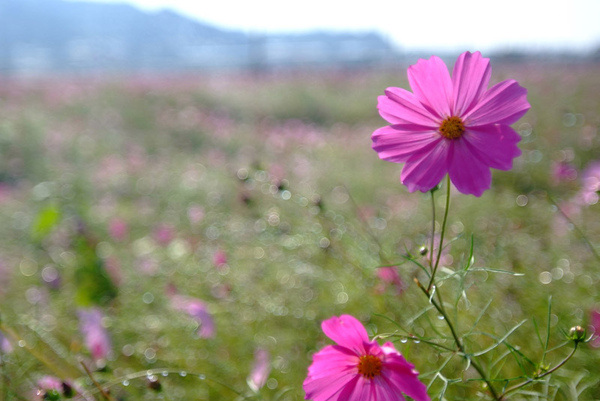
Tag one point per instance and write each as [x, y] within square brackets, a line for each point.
[451, 25]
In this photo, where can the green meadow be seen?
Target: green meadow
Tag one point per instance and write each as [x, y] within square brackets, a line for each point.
[260, 196]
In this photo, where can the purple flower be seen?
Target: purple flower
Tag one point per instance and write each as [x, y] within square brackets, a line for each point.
[260, 370]
[357, 369]
[454, 126]
[590, 183]
[198, 311]
[389, 277]
[5, 345]
[95, 335]
[595, 323]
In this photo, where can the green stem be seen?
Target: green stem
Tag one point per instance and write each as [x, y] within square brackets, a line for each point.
[440, 308]
[431, 250]
[442, 233]
[157, 372]
[537, 377]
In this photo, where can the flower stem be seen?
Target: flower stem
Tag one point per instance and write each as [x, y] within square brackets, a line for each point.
[539, 376]
[461, 348]
[441, 244]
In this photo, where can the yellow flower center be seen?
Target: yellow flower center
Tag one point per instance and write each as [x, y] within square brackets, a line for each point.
[369, 366]
[452, 128]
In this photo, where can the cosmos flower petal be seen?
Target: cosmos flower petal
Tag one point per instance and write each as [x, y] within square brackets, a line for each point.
[333, 359]
[431, 84]
[424, 171]
[400, 106]
[402, 374]
[346, 331]
[470, 78]
[361, 391]
[494, 145]
[503, 103]
[397, 143]
[469, 174]
[328, 375]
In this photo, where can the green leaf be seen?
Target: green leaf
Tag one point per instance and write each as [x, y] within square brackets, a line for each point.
[45, 221]
[94, 285]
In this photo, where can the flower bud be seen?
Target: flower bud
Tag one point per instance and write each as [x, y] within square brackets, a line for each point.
[423, 251]
[577, 334]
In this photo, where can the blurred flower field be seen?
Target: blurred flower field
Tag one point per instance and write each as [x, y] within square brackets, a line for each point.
[182, 238]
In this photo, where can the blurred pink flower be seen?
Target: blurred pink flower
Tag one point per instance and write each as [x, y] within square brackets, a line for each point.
[452, 125]
[198, 311]
[563, 171]
[95, 335]
[595, 323]
[52, 388]
[118, 229]
[5, 345]
[590, 183]
[389, 277]
[219, 258]
[260, 370]
[48, 387]
[195, 214]
[357, 369]
[164, 234]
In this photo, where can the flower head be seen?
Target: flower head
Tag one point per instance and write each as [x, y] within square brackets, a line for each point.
[95, 335]
[357, 369]
[197, 310]
[451, 125]
[260, 370]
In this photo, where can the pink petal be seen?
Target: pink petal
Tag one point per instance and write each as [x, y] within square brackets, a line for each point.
[399, 373]
[425, 170]
[470, 78]
[503, 103]
[346, 331]
[431, 84]
[332, 370]
[400, 106]
[363, 389]
[397, 143]
[494, 145]
[333, 359]
[468, 174]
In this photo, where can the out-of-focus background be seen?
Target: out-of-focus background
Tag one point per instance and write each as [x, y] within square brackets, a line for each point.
[77, 37]
[187, 189]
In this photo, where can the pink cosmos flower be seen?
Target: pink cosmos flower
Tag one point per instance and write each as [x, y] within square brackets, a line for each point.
[595, 323]
[357, 369]
[451, 125]
[219, 258]
[198, 311]
[260, 370]
[95, 335]
[590, 184]
[389, 277]
[5, 345]
[118, 229]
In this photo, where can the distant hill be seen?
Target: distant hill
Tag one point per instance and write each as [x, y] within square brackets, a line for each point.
[46, 36]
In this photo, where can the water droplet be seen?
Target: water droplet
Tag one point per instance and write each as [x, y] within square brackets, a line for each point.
[126, 383]
[441, 317]
[165, 373]
[183, 373]
[201, 377]
[404, 340]
[417, 341]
